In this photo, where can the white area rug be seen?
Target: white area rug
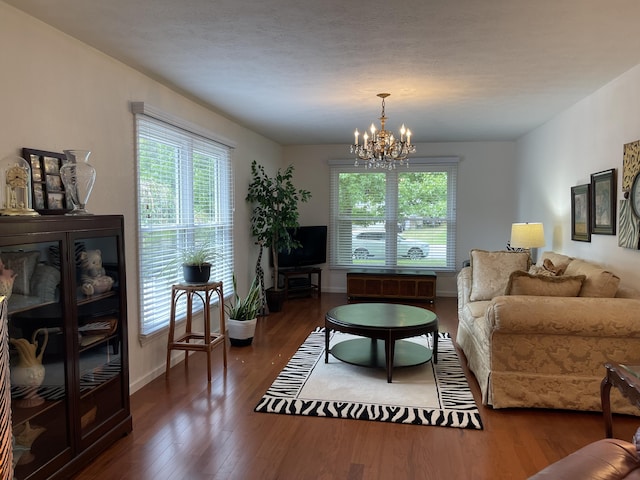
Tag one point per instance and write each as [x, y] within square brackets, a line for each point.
[426, 394]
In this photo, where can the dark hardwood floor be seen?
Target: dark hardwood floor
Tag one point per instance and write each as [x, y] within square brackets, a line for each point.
[184, 428]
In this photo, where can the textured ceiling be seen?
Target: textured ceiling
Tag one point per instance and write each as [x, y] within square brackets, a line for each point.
[307, 72]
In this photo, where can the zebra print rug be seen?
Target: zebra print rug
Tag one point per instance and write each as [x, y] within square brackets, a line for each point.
[427, 394]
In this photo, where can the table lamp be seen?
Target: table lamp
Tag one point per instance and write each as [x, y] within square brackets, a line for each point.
[527, 235]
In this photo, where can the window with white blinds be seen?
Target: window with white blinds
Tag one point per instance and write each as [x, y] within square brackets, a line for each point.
[185, 199]
[401, 218]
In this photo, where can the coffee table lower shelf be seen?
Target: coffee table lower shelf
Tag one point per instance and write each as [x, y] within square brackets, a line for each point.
[366, 352]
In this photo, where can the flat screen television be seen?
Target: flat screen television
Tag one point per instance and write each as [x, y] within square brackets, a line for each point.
[312, 252]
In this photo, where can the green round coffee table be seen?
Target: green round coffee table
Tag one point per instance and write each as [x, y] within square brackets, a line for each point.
[382, 321]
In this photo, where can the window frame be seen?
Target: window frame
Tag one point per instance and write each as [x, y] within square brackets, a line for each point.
[180, 147]
[343, 260]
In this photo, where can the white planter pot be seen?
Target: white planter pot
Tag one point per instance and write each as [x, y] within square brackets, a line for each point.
[241, 331]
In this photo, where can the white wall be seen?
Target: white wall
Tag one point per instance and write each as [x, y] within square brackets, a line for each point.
[586, 138]
[485, 189]
[57, 93]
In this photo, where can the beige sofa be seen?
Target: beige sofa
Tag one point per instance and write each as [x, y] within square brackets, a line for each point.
[537, 349]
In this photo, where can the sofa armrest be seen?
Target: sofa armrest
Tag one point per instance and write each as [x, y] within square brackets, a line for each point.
[464, 285]
[604, 317]
[464, 289]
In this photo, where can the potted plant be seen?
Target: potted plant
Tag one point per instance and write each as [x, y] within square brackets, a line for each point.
[195, 265]
[243, 313]
[275, 212]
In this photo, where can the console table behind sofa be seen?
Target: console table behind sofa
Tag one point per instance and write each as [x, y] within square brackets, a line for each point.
[392, 284]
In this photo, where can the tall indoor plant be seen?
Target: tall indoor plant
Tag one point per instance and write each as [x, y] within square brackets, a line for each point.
[275, 211]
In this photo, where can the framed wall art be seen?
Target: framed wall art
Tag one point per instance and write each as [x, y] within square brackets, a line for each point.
[48, 194]
[629, 225]
[630, 164]
[580, 201]
[634, 196]
[603, 202]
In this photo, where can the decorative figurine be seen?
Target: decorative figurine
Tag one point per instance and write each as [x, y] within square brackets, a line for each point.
[17, 187]
[25, 435]
[29, 372]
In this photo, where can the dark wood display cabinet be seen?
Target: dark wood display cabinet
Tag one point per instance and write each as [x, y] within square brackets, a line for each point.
[67, 323]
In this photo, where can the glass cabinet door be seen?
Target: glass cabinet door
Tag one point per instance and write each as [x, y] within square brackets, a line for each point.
[37, 356]
[98, 320]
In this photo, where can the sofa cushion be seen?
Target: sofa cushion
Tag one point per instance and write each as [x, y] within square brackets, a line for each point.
[625, 291]
[23, 265]
[598, 282]
[490, 272]
[524, 283]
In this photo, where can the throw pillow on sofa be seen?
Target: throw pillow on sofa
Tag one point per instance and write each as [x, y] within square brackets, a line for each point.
[524, 283]
[490, 272]
[598, 283]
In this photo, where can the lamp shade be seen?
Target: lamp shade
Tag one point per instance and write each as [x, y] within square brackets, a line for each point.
[527, 235]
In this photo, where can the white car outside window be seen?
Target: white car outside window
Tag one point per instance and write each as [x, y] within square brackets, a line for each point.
[367, 245]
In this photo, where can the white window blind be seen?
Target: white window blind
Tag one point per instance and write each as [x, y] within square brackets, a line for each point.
[185, 199]
[402, 218]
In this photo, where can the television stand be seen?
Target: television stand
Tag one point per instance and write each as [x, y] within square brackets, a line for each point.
[297, 281]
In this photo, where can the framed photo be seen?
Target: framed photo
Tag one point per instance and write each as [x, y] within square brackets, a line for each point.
[603, 202]
[47, 190]
[580, 210]
[38, 197]
[56, 200]
[54, 183]
[51, 165]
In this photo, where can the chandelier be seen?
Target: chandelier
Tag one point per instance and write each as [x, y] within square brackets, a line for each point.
[382, 149]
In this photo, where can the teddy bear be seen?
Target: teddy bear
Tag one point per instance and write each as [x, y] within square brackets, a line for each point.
[93, 277]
